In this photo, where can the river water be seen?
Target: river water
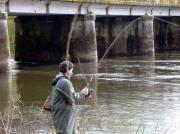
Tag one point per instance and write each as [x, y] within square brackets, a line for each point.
[132, 95]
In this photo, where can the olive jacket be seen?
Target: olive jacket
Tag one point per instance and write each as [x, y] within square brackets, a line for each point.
[63, 98]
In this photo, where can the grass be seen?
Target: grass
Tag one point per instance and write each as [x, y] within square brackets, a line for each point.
[11, 32]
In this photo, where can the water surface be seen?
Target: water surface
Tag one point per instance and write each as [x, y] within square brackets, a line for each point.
[132, 95]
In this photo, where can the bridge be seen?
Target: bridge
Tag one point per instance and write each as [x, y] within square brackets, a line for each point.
[98, 7]
[132, 27]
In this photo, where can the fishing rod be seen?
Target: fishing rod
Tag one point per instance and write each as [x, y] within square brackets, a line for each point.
[123, 30]
[81, 69]
[106, 52]
[110, 46]
[87, 82]
[113, 43]
[117, 37]
[68, 44]
[174, 24]
[71, 31]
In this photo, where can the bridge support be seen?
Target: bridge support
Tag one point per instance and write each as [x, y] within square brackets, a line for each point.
[84, 45]
[174, 40]
[146, 34]
[4, 43]
[41, 39]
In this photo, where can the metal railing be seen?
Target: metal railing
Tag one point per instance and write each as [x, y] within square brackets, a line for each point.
[175, 3]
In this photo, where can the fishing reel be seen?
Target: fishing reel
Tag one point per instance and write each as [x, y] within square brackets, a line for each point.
[90, 91]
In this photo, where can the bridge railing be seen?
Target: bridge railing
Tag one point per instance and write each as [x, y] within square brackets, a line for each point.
[133, 2]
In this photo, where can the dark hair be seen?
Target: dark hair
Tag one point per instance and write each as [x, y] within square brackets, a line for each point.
[64, 66]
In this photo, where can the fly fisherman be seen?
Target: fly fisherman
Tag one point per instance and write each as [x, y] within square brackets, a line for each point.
[63, 99]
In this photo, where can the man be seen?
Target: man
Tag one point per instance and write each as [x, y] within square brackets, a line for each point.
[63, 98]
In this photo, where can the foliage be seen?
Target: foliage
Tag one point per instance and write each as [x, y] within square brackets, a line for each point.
[11, 31]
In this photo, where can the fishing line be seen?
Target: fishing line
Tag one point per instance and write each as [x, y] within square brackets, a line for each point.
[70, 34]
[117, 37]
[110, 46]
[71, 31]
[123, 30]
[69, 40]
[113, 43]
[81, 69]
[120, 33]
[174, 24]
[86, 80]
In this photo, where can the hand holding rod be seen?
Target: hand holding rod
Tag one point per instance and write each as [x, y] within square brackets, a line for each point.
[87, 82]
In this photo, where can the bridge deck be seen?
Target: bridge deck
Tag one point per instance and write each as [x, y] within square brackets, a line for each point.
[99, 7]
[172, 3]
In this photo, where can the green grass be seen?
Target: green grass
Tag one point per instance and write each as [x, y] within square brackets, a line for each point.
[11, 31]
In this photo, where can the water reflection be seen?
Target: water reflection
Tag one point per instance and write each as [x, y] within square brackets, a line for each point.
[133, 95]
[5, 90]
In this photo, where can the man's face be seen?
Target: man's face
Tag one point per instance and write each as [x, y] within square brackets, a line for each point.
[69, 73]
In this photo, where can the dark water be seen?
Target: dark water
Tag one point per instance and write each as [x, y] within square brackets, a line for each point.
[133, 95]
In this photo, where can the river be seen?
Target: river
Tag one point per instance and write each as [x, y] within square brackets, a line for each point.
[132, 95]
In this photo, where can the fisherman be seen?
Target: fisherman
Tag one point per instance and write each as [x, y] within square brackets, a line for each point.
[63, 99]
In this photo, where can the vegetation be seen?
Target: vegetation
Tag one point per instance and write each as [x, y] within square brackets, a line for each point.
[11, 30]
[12, 115]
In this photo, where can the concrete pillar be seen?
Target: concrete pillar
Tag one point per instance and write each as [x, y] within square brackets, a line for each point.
[175, 32]
[103, 33]
[169, 37]
[146, 34]
[84, 45]
[119, 47]
[4, 43]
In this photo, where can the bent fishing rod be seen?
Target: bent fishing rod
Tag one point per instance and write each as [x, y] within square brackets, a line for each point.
[168, 22]
[119, 34]
[71, 31]
[88, 82]
[69, 40]
[72, 28]
[116, 38]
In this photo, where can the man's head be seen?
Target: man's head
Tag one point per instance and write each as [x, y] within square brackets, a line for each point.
[66, 67]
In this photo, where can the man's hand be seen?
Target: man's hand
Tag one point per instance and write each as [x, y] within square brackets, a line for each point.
[86, 92]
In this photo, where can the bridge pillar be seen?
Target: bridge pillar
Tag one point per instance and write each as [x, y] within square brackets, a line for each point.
[175, 34]
[4, 43]
[84, 45]
[146, 34]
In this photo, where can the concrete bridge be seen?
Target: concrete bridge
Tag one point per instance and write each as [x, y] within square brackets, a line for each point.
[136, 27]
[98, 7]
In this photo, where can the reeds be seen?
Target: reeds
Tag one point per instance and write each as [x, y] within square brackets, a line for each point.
[90, 121]
[9, 119]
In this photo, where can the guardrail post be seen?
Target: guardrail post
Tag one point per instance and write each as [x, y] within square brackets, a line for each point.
[4, 43]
